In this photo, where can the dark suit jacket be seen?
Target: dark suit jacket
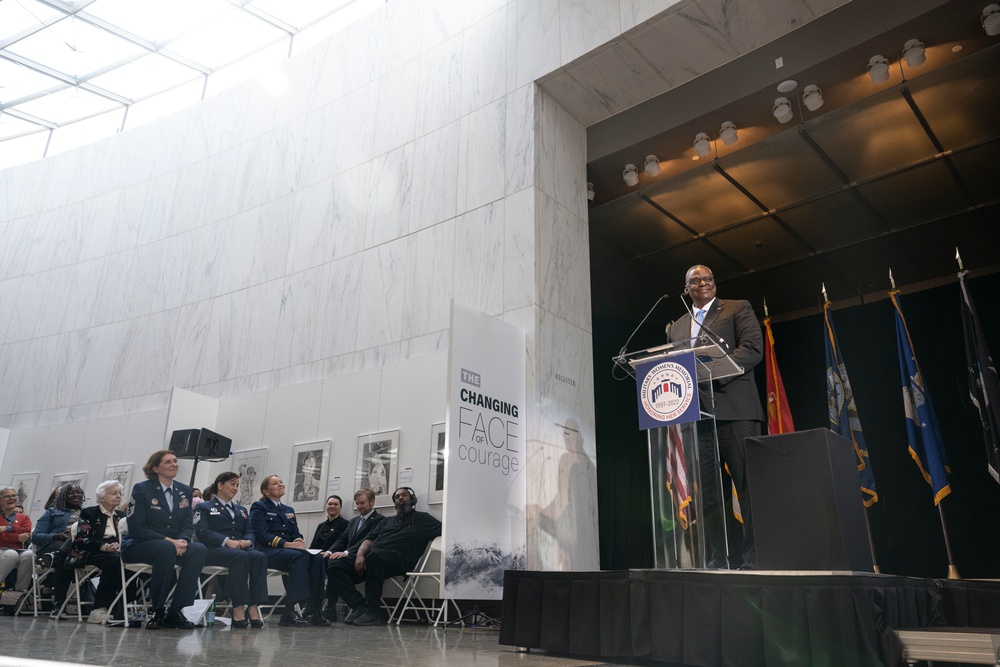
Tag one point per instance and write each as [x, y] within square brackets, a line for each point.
[150, 518]
[736, 397]
[328, 532]
[98, 523]
[213, 525]
[352, 538]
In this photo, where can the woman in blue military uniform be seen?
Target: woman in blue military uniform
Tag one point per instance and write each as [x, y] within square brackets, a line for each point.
[224, 527]
[159, 533]
[278, 536]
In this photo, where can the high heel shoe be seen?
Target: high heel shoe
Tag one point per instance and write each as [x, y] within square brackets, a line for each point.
[256, 623]
[240, 624]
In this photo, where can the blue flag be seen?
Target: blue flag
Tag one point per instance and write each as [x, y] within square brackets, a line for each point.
[922, 432]
[843, 412]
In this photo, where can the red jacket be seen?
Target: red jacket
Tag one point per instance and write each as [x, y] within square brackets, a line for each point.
[8, 538]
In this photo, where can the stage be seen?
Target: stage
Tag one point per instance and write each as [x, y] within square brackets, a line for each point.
[721, 617]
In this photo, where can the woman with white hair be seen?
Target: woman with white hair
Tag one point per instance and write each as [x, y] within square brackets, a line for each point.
[98, 543]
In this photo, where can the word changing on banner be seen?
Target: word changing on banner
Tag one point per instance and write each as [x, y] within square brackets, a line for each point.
[668, 391]
[484, 502]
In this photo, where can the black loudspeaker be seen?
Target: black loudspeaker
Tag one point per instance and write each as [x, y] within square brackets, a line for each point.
[201, 442]
[807, 507]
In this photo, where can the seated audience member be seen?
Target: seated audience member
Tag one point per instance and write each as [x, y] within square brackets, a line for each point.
[51, 532]
[342, 552]
[159, 533]
[331, 529]
[392, 548]
[15, 531]
[278, 536]
[196, 498]
[224, 527]
[98, 543]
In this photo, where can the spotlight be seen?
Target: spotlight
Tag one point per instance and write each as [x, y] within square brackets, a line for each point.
[701, 145]
[812, 97]
[878, 69]
[913, 53]
[652, 165]
[991, 20]
[590, 192]
[630, 175]
[782, 110]
[728, 133]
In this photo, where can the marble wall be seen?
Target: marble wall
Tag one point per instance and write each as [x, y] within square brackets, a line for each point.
[253, 243]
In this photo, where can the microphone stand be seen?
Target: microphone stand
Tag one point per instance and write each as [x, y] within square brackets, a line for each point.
[620, 359]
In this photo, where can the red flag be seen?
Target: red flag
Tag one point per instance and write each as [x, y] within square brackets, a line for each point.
[779, 415]
[677, 482]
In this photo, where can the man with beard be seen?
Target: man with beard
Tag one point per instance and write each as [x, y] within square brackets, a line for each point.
[392, 548]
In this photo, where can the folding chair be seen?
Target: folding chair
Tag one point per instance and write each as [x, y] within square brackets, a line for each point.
[211, 572]
[280, 601]
[131, 574]
[421, 572]
[81, 576]
[38, 576]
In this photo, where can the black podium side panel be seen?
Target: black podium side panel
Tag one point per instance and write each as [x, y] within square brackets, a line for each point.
[807, 508]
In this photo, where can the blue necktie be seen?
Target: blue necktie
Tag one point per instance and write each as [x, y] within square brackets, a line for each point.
[169, 493]
[699, 317]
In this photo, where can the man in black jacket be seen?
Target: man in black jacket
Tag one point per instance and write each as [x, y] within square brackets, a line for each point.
[342, 552]
[392, 548]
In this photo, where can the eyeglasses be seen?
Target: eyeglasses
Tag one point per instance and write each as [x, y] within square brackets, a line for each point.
[8, 497]
[708, 280]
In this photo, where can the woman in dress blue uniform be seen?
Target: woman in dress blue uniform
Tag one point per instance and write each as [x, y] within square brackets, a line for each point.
[224, 527]
[159, 533]
[278, 536]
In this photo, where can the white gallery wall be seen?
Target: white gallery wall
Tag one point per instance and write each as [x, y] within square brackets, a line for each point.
[285, 256]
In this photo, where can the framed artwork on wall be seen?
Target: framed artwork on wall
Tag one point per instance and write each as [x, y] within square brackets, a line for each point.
[78, 478]
[435, 486]
[376, 468]
[122, 473]
[25, 484]
[310, 467]
[249, 465]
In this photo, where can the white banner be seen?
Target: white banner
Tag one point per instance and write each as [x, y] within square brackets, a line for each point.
[484, 491]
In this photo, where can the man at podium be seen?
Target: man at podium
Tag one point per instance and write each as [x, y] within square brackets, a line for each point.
[737, 407]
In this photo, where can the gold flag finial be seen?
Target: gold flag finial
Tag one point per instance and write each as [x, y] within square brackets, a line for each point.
[958, 258]
[823, 290]
[892, 281]
[765, 308]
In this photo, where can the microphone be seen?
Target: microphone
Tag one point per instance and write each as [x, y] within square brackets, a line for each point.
[620, 359]
[704, 330]
[666, 330]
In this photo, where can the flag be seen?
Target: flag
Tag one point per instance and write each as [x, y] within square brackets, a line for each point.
[922, 432]
[677, 482]
[843, 412]
[779, 415]
[984, 387]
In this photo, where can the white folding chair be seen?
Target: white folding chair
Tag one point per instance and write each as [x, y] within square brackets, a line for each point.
[81, 576]
[38, 576]
[421, 573]
[211, 572]
[271, 607]
[132, 573]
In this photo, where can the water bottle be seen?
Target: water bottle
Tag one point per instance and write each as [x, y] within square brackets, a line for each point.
[210, 614]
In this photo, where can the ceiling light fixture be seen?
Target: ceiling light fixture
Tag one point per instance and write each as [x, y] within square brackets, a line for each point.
[630, 175]
[788, 86]
[991, 20]
[878, 69]
[590, 192]
[812, 97]
[652, 165]
[782, 110]
[914, 53]
[701, 144]
[728, 133]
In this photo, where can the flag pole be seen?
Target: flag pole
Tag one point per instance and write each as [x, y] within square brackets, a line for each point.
[952, 570]
[868, 525]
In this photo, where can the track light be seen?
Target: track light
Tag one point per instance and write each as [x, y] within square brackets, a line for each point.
[701, 144]
[590, 192]
[630, 175]
[782, 110]
[812, 97]
[728, 133]
[652, 165]
[878, 69]
[991, 20]
[913, 53]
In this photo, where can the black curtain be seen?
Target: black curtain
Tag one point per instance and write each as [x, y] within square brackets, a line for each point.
[905, 523]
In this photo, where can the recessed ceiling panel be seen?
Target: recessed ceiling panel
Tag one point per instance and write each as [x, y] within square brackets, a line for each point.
[781, 170]
[916, 195]
[634, 224]
[604, 253]
[960, 104]
[976, 235]
[834, 220]
[979, 169]
[760, 243]
[867, 264]
[676, 261]
[636, 277]
[703, 200]
[872, 136]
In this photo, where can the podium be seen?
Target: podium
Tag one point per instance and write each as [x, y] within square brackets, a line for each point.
[675, 468]
[808, 512]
